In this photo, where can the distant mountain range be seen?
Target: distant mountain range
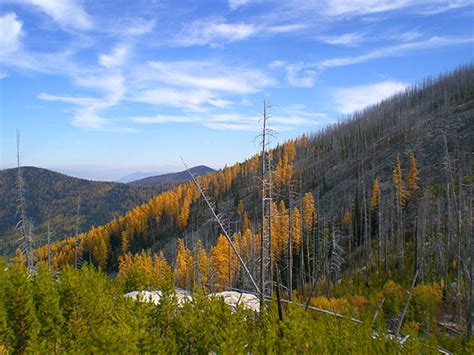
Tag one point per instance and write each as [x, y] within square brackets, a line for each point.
[138, 176]
[53, 197]
[171, 178]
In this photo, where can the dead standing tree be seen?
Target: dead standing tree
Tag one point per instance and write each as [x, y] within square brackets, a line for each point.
[24, 225]
[266, 241]
[78, 257]
[292, 197]
[218, 218]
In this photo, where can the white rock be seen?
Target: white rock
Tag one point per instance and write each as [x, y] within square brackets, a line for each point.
[231, 298]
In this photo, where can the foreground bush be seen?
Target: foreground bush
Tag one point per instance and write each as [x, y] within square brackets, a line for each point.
[84, 311]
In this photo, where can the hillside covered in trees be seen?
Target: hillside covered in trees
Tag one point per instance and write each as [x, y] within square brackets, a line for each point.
[352, 216]
[70, 204]
[53, 198]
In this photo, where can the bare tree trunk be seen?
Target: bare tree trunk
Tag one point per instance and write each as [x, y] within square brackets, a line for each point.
[78, 251]
[290, 248]
[24, 225]
[405, 308]
[302, 277]
[470, 308]
[366, 234]
[224, 230]
[415, 234]
[49, 246]
[270, 237]
[379, 228]
[262, 236]
[278, 292]
[314, 236]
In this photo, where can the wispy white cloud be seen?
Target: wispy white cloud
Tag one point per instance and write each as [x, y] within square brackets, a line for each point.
[195, 85]
[235, 4]
[88, 111]
[352, 99]
[396, 50]
[404, 36]
[115, 59]
[216, 31]
[276, 64]
[437, 7]
[285, 119]
[75, 100]
[296, 75]
[166, 119]
[213, 31]
[13, 53]
[346, 39]
[68, 13]
[137, 26]
[3, 74]
[292, 27]
[194, 100]
[343, 7]
[365, 7]
[10, 33]
[208, 75]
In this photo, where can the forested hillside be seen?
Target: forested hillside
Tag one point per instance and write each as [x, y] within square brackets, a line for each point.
[383, 195]
[53, 198]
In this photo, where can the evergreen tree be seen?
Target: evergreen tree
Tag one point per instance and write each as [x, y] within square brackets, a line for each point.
[48, 311]
[22, 321]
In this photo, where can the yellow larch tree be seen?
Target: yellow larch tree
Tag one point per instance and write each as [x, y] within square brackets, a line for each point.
[223, 262]
[375, 193]
[296, 228]
[183, 269]
[401, 193]
[202, 263]
[161, 267]
[347, 218]
[281, 235]
[308, 211]
[413, 175]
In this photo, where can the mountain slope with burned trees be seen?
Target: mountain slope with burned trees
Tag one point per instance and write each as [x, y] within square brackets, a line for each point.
[383, 195]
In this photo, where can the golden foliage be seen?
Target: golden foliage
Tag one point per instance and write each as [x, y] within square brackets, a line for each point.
[375, 193]
[225, 264]
[347, 217]
[308, 211]
[296, 227]
[183, 270]
[413, 175]
[401, 193]
[203, 263]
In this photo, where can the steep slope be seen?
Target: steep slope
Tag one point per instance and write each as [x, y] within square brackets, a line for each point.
[337, 167]
[52, 197]
[165, 180]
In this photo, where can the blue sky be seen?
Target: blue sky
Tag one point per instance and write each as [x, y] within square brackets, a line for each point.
[105, 88]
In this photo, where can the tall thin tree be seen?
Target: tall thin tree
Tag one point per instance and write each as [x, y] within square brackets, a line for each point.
[24, 225]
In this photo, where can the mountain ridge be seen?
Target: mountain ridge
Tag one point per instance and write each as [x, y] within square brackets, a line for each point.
[176, 177]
